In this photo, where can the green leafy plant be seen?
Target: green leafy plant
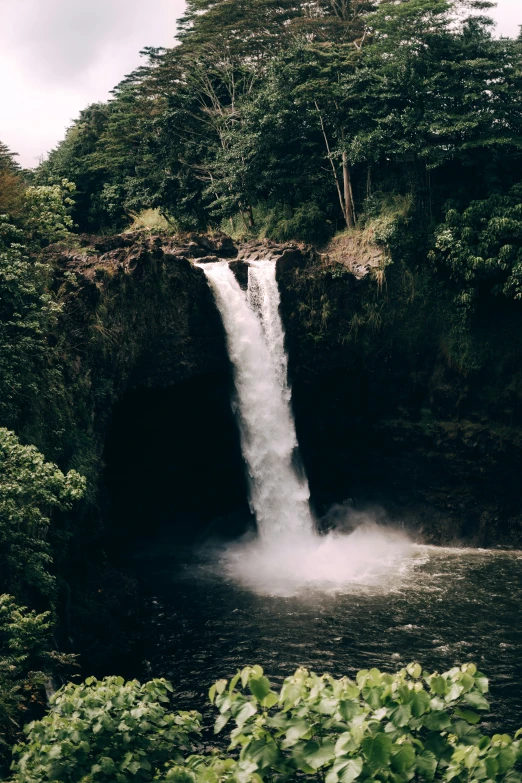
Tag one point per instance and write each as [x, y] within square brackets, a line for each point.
[387, 727]
[105, 731]
[30, 488]
[482, 246]
[411, 725]
[27, 664]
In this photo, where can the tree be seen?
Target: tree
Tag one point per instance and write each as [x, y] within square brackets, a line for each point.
[481, 248]
[11, 182]
[30, 488]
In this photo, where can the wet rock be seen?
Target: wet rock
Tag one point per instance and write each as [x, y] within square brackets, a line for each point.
[240, 270]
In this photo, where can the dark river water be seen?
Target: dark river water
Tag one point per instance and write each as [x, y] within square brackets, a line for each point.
[398, 603]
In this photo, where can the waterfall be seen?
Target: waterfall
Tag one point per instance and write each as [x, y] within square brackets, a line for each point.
[279, 495]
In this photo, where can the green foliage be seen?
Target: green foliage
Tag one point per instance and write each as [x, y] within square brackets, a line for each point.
[481, 247]
[411, 725]
[112, 730]
[27, 315]
[27, 663]
[30, 488]
[379, 726]
[47, 209]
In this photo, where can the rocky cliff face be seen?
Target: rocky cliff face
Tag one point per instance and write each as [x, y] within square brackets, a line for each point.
[384, 414]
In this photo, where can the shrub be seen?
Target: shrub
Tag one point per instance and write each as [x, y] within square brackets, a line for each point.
[109, 731]
[387, 727]
[483, 246]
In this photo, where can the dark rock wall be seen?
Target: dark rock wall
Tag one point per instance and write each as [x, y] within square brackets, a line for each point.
[385, 415]
[384, 412]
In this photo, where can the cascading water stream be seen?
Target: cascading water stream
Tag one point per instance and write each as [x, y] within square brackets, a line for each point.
[255, 338]
[288, 555]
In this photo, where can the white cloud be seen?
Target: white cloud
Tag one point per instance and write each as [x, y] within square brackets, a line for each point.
[57, 56]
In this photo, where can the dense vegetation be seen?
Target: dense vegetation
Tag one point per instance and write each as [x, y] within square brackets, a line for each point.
[293, 119]
[409, 726]
[269, 118]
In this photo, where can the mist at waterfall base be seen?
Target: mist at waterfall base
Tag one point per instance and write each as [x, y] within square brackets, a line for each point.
[287, 555]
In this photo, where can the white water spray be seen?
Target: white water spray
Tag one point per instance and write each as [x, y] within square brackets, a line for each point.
[255, 339]
[288, 555]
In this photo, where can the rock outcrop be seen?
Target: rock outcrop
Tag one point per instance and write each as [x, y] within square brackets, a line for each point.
[383, 414]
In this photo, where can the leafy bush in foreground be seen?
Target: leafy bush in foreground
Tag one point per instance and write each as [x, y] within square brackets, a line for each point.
[105, 731]
[388, 727]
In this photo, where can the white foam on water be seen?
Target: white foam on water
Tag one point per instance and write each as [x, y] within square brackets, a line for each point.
[370, 557]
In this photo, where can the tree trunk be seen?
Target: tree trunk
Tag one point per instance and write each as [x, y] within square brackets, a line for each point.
[342, 201]
[348, 194]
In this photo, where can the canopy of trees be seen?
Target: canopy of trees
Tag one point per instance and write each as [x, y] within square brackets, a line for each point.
[284, 118]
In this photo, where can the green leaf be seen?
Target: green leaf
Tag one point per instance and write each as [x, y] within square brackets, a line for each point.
[438, 685]
[403, 757]
[350, 770]
[270, 700]
[506, 759]
[349, 709]
[477, 700]
[344, 744]
[377, 749]
[468, 715]
[372, 696]
[401, 716]
[259, 687]
[437, 721]
[491, 767]
[247, 711]
[419, 704]
[297, 730]
[414, 670]
[317, 755]
[221, 722]
[427, 764]
[264, 754]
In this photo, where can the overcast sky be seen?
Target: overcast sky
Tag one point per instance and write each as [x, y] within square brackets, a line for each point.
[57, 56]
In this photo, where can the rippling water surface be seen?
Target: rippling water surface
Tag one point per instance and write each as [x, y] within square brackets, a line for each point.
[434, 605]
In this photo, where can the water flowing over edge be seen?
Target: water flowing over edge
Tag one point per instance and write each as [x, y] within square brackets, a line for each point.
[288, 556]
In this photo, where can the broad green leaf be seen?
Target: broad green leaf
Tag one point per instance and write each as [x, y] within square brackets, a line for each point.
[491, 764]
[270, 700]
[506, 759]
[377, 749]
[419, 704]
[403, 757]
[247, 710]
[262, 753]
[349, 709]
[298, 730]
[259, 687]
[438, 685]
[468, 715]
[350, 770]
[317, 755]
[401, 716]
[414, 670]
[426, 764]
[221, 722]
[328, 706]
[477, 700]
[344, 744]
[437, 721]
